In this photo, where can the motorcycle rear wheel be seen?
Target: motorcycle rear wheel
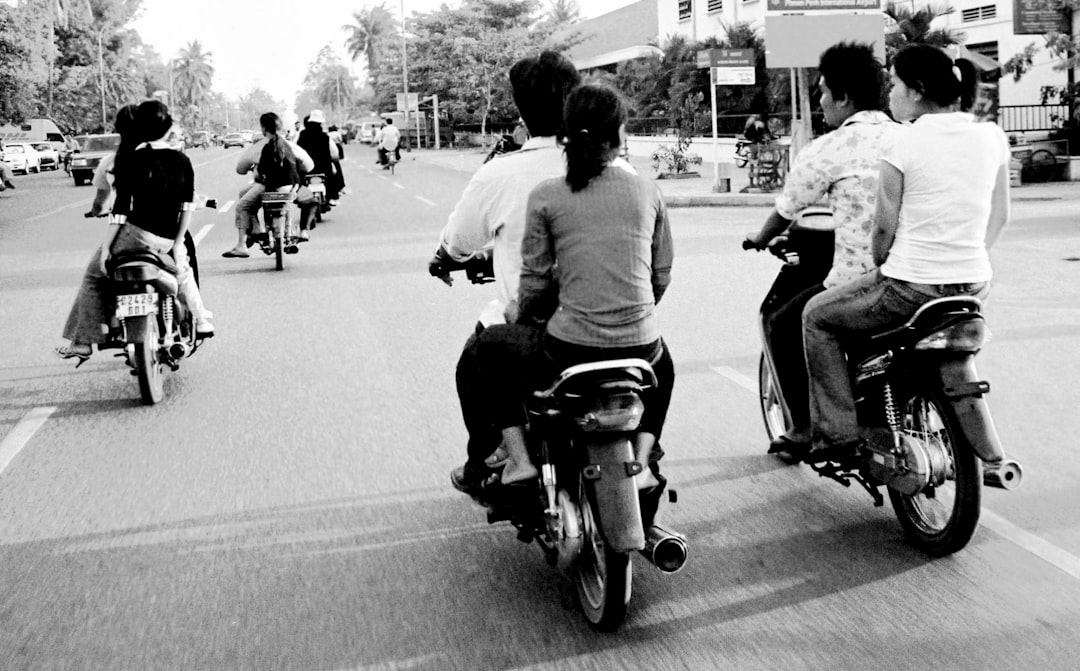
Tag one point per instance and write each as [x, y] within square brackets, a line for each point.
[148, 366]
[941, 519]
[603, 576]
[279, 245]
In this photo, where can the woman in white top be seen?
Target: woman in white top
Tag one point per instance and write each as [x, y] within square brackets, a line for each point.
[942, 201]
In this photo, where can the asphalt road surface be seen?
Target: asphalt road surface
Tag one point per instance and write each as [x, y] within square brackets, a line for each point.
[287, 505]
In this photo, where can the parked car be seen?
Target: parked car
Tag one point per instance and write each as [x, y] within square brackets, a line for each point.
[248, 135]
[233, 140]
[50, 158]
[92, 149]
[22, 157]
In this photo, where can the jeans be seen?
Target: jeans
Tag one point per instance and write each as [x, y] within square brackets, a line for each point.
[516, 360]
[870, 304]
[92, 312]
[484, 438]
[783, 328]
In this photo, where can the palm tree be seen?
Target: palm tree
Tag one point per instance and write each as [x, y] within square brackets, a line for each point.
[368, 35]
[563, 12]
[192, 76]
[913, 27]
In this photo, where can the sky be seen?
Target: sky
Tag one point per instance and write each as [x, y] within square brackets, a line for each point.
[271, 44]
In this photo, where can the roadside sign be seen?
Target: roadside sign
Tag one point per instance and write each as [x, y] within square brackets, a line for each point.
[740, 76]
[797, 41]
[719, 58]
[413, 102]
[1038, 17]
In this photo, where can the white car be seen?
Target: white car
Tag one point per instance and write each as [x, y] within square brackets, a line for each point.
[22, 157]
[50, 158]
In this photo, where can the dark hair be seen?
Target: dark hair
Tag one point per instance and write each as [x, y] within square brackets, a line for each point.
[270, 123]
[929, 70]
[593, 115]
[541, 85]
[152, 120]
[389, 121]
[851, 71]
[127, 126]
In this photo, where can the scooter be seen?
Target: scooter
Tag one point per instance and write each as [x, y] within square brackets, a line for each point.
[585, 511]
[929, 438]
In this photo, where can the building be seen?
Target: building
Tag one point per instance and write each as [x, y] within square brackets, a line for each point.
[621, 35]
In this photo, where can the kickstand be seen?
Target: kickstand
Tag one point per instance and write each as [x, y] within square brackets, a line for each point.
[833, 471]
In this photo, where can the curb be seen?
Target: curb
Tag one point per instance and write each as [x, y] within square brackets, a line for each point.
[734, 200]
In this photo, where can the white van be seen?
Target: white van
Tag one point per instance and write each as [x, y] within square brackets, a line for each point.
[35, 131]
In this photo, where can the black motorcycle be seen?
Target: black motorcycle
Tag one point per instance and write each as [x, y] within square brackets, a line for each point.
[585, 511]
[930, 440]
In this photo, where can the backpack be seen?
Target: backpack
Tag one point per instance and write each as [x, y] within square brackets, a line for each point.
[277, 165]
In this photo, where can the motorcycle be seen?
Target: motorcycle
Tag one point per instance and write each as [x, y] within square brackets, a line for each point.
[155, 330]
[929, 437]
[316, 182]
[585, 511]
[281, 230]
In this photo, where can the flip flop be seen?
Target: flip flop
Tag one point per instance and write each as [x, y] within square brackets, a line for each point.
[498, 458]
[233, 254]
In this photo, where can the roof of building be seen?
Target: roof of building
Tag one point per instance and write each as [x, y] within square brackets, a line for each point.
[628, 32]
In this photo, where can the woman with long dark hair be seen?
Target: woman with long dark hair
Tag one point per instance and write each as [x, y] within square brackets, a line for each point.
[596, 260]
[155, 189]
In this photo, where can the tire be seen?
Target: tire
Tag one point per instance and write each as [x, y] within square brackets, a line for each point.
[1041, 167]
[79, 181]
[147, 367]
[944, 521]
[602, 576]
[772, 408]
[279, 252]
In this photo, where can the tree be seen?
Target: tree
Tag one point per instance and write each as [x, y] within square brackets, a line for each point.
[370, 35]
[193, 74]
[914, 27]
[563, 12]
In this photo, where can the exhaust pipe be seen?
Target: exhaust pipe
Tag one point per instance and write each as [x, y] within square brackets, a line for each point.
[665, 549]
[1003, 475]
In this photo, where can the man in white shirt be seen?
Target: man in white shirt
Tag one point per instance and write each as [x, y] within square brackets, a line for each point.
[388, 140]
[491, 215]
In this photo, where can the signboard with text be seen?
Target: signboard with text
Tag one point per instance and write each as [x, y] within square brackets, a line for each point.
[824, 5]
[740, 76]
[413, 102]
[796, 41]
[725, 58]
[1038, 17]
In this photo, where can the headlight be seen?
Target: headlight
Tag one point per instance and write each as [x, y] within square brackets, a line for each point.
[618, 412]
[78, 161]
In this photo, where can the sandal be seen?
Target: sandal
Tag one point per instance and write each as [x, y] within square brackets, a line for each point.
[497, 458]
[236, 254]
[67, 352]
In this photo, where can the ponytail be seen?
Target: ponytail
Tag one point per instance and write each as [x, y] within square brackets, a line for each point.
[968, 81]
[594, 114]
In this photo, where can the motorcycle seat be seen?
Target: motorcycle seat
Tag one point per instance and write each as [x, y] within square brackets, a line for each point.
[315, 178]
[162, 261]
[613, 375]
[934, 315]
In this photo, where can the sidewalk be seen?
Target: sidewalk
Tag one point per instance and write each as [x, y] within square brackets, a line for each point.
[698, 191]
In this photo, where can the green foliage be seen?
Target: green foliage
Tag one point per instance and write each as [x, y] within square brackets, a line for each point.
[913, 27]
[677, 161]
[371, 35]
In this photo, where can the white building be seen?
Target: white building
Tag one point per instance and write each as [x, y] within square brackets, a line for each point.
[987, 28]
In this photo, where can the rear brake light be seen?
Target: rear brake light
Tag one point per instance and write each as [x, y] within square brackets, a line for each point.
[619, 412]
[968, 336]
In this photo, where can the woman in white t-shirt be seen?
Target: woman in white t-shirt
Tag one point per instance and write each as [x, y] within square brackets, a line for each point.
[943, 198]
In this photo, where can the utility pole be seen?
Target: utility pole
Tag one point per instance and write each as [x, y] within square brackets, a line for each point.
[405, 75]
[101, 75]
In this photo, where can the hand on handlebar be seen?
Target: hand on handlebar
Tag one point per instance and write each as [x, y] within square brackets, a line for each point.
[750, 242]
[91, 214]
[439, 266]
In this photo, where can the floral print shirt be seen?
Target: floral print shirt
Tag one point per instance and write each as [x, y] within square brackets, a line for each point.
[843, 166]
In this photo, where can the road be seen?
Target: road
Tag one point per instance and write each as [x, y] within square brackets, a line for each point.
[287, 506]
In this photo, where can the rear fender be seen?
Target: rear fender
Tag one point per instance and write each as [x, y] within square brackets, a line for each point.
[135, 328]
[610, 477]
[961, 385]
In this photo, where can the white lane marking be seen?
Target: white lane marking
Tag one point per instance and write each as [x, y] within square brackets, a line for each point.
[19, 436]
[1043, 549]
[226, 207]
[58, 210]
[382, 176]
[202, 233]
[400, 186]
[738, 378]
[425, 201]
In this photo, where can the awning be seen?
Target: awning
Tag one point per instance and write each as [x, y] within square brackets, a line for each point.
[984, 64]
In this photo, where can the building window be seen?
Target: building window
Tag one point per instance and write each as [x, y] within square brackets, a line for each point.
[686, 8]
[715, 6]
[988, 49]
[979, 13]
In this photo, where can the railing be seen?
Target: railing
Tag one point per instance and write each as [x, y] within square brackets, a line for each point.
[1024, 118]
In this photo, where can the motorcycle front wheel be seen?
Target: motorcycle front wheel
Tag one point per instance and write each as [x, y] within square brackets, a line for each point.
[603, 576]
[943, 517]
[279, 244]
[143, 333]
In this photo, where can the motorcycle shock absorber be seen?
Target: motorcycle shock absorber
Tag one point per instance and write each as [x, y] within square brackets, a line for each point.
[167, 313]
[891, 415]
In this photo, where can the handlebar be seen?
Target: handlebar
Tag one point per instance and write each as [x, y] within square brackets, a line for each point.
[479, 268]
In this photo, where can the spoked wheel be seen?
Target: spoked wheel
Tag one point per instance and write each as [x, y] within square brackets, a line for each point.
[942, 518]
[772, 409]
[148, 365]
[603, 576]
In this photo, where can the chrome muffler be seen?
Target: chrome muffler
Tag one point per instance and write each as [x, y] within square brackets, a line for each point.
[665, 549]
[177, 351]
[1006, 474]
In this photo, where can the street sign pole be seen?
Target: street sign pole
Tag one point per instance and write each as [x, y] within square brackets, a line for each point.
[715, 137]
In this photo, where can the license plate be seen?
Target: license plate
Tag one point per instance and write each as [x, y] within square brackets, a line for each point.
[136, 305]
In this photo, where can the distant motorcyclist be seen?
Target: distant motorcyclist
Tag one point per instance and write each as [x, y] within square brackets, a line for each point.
[322, 151]
[388, 139]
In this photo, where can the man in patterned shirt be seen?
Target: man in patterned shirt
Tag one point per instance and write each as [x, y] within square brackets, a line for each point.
[841, 166]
